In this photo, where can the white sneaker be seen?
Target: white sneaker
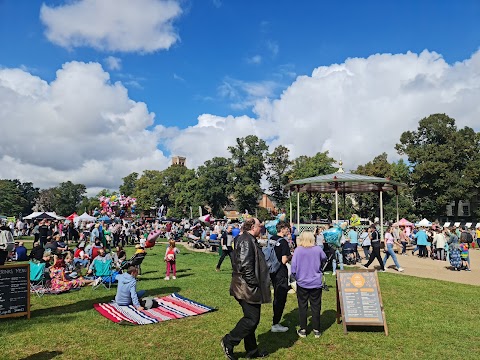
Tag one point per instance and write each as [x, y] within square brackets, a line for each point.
[97, 281]
[174, 277]
[167, 278]
[279, 328]
[400, 269]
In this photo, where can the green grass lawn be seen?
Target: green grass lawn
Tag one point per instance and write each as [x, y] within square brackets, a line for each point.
[427, 319]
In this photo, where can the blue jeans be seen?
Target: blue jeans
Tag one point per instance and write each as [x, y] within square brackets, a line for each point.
[82, 262]
[391, 253]
[338, 254]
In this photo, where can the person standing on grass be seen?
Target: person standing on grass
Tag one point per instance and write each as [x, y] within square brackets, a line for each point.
[251, 288]
[280, 277]
[307, 266]
[389, 243]
[366, 243]
[171, 259]
[227, 241]
[374, 237]
[353, 236]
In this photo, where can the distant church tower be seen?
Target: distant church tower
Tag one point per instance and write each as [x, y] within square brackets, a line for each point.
[179, 160]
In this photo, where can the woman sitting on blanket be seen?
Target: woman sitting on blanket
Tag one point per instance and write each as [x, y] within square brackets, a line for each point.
[58, 280]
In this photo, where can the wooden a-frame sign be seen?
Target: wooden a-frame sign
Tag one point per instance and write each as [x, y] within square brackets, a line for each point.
[359, 301]
[15, 290]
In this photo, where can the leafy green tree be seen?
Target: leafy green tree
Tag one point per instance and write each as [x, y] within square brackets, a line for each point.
[318, 205]
[367, 204]
[129, 183]
[213, 186]
[185, 195]
[440, 157]
[88, 204]
[12, 200]
[263, 214]
[278, 164]
[29, 193]
[248, 159]
[68, 196]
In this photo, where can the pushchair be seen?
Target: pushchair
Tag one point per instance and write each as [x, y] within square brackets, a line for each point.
[455, 259]
[324, 268]
[348, 253]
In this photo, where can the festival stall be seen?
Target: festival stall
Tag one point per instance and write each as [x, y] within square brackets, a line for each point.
[40, 215]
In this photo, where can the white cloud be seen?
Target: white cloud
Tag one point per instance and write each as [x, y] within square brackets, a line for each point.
[355, 110]
[113, 25]
[256, 59]
[113, 63]
[217, 3]
[178, 77]
[80, 127]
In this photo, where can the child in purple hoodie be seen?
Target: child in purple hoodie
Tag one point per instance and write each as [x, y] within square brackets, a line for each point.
[307, 264]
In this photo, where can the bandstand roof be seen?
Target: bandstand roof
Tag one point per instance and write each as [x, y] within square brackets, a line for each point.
[344, 183]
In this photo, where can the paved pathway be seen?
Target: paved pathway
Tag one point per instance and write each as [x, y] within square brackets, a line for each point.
[434, 269]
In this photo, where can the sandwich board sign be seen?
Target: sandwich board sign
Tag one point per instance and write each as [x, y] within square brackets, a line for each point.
[359, 301]
[14, 290]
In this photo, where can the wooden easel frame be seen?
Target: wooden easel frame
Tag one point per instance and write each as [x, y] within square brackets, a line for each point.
[340, 306]
[24, 313]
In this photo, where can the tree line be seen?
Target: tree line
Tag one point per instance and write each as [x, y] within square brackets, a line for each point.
[442, 166]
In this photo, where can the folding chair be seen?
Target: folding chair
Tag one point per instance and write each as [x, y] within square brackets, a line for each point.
[136, 260]
[103, 273]
[37, 278]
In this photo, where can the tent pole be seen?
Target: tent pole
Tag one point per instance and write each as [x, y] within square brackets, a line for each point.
[298, 209]
[336, 203]
[398, 217]
[381, 213]
[291, 212]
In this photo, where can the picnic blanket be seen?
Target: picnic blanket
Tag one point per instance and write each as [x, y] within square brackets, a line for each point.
[169, 307]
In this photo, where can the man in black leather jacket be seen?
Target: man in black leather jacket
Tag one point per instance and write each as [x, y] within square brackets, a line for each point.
[251, 287]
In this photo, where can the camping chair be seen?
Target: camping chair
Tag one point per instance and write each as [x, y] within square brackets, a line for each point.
[136, 260]
[38, 281]
[103, 274]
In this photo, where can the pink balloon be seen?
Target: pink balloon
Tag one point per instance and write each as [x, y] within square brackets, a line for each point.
[153, 235]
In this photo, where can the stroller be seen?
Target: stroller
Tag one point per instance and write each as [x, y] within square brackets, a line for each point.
[348, 253]
[324, 268]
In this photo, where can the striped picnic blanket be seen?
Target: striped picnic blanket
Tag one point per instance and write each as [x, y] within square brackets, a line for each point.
[169, 307]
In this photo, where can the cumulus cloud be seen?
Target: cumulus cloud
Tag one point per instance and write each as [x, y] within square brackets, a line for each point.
[355, 110]
[244, 94]
[82, 127]
[79, 127]
[113, 25]
[113, 63]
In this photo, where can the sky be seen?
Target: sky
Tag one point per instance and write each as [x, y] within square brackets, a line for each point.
[92, 90]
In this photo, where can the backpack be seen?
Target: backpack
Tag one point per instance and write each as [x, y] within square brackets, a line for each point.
[271, 257]
[7, 243]
[468, 237]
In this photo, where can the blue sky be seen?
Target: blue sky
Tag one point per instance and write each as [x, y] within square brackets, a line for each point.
[232, 60]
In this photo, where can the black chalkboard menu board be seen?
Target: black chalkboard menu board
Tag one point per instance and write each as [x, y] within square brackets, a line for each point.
[359, 301]
[15, 290]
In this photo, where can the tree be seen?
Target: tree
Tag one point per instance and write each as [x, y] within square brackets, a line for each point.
[185, 195]
[319, 205]
[367, 204]
[440, 157]
[248, 159]
[12, 201]
[278, 164]
[68, 196]
[29, 193]
[46, 200]
[213, 186]
[88, 204]
[129, 183]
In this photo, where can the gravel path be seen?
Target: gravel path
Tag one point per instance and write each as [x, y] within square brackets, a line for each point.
[434, 269]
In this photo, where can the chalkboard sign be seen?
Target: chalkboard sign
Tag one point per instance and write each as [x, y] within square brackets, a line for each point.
[359, 301]
[15, 290]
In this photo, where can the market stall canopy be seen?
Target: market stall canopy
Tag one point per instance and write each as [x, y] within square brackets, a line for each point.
[104, 218]
[38, 215]
[84, 217]
[424, 223]
[344, 183]
[403, 222]
[72, 216]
